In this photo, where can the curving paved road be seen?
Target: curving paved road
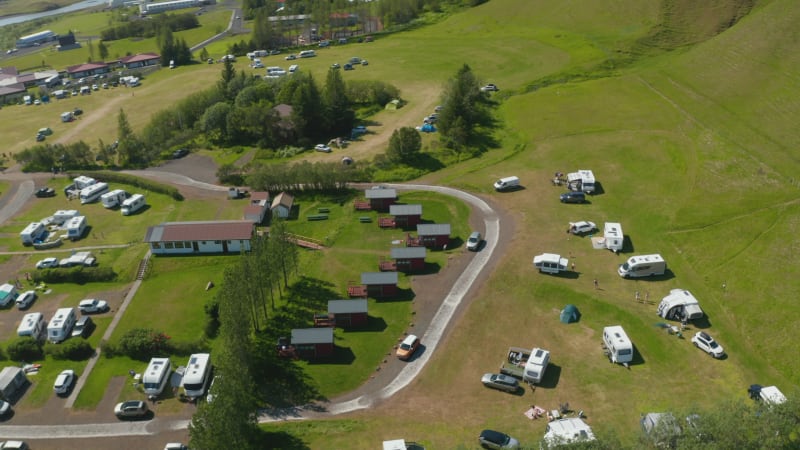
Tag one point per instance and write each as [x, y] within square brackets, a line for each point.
[431, 336]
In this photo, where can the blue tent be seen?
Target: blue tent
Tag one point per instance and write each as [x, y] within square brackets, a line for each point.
[427, 128]
[570, 314]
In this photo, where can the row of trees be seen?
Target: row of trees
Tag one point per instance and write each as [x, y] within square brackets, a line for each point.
[150, 27]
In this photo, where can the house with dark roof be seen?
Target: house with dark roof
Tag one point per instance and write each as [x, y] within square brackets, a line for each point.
[430, 235]
[312, 342]
[406, 216]
[348, 313]
[380, 284]
[140, 60]
[219, 236]
[380, 199]
[256, 210]
[405, 259]
[87, 70]
[282, 205]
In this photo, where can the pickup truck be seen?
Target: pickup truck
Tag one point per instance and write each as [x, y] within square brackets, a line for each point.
[528, 365]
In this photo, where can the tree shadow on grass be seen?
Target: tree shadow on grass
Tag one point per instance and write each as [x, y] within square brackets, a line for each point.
[280, 440]
[403, 295]
[341, 356]
[373, 324]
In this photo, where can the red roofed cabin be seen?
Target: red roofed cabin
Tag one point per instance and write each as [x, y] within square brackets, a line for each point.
[348, 313]
[380, 284]
[380, 199]
[405, 259]
[406, 216]
[309, 343]
[180, 238]
[430, 235]
[256, 210]
[140, 60]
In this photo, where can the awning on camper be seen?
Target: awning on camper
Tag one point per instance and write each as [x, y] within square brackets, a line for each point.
[570, 314]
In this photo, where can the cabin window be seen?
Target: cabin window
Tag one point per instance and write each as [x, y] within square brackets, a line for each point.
[168, 245]
[179, 244]
[218, 242]
[156, 245]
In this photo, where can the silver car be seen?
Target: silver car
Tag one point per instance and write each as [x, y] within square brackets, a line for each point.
[474, 241]
[501, 382]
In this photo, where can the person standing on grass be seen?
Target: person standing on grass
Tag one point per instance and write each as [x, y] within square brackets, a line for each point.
[596, 285]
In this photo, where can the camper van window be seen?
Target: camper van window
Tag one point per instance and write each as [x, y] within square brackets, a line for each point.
[625, 351]
[625, 266]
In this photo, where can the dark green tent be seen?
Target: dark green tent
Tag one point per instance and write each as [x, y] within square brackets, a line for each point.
[570, 314]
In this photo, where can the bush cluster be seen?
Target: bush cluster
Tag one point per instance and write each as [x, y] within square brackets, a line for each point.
[77, 275]
[25, 348]
[141, 183]
[72, 349]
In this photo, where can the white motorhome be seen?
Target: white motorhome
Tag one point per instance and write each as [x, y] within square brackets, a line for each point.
[565, 431]
[618, 346]
[506, 184]
[550, 263]
[32, 233]
[63, 215]
[536, 365]
[582, 180]
[613, 237]
[114, 198]
[33, 325]
[643, 266]
[156, 376]
[197, 375]
[61, 325]
[67, 116]
[680, 305]
[133, 204]
[307, 54]
[82, 182]
[93, 192]
[75, 227]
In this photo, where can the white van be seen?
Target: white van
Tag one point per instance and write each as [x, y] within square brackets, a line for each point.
[643, 266]
[33, 325]
[506, 184]
[156, 376]
[307, 54]
[550, 263]
[61, 325]
[133, 204]
[618, 345]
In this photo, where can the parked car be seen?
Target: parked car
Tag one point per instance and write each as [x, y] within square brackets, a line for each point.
[82, 327]
[291, 57]
[706, 343]
[322, 148]
[407, 348]
[95, 87]
[348, 66]
[5, 408]
[474, 241]
[364, 62]
[175, 446]
[40, 137]
[496, 439]
[25, 299]
[77, 112]
[335, 66]
[490, 88]
[92, 305]
[582, 227]
[180, 153]
[64, 381]
[13, 445]
[47, 263]
[45, 192]
[573, 197]
[501, 382]
[131, 409]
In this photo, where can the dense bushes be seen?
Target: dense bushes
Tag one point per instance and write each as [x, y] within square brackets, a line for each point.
[142, 183]
[25, 348]
[77, 275]
[144, 343]
[149, 28]
[71, 349]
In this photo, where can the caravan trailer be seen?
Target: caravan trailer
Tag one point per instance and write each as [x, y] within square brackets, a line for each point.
[33, 325]
[582, 180]
[113, 198]
[92, 193]
[60, 325]
[643, 266]
[82, 182]
[156, 376]
[133, 204]
[75, 227]
[32, 233]
[613, 237]
[61, 216]
[681, 305]
[618, 346]
[197, 376]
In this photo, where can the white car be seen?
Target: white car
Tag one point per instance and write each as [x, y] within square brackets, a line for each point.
[175, 446]
[582, 227]
[707, 344]
[322, 148]
[13, 445]
[64, 382]
[47, 263]
[92, 305]
[490, 88]
[5, 407]
[25, 299]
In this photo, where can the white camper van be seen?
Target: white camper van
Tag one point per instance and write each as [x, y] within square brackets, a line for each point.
[133, 204]
[82, 182]
[681, 305]
[33, 325]
[32, 233]
[307, 54]
[507, 184]
[550, 263]
[618, 347]
[613, 237]
[156, 376]
[60, 325]
[642, 266]
[92, 193]
[114, 198]
[197, 376]
[75, 227]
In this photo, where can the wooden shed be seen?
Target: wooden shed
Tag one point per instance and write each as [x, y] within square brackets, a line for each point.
[348, 313]
[430, 235]
[381, 199]
[380, 284]
[406, 216]
[405, 259]
[312, 342]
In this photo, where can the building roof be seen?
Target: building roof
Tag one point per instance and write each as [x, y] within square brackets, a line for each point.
[283, 199]
[375, 278]
[380, 193]
[140, 57]
[312, 336]
[433, 229]
[259, 196]
[347, 306]
[405, 210]
[218, 230]
[283, 110]
[408, 252]
[12, 89]
[86, 67]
